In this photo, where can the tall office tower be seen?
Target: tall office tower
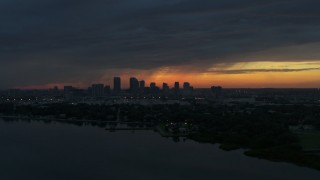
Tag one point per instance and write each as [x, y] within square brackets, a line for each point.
[176, 86]
[117, 84]
[165, 87]
[142, 85]
[134, 85]
[186, 85]
[153, 88]
[187, 89]
[97, 90]
[153, 85]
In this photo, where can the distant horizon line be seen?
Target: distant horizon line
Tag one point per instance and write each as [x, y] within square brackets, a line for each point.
[128, 88]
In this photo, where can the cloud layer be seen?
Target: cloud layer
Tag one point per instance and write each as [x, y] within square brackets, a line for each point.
[50, 41]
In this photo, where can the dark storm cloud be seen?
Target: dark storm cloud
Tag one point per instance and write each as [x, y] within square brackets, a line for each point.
[69, 40]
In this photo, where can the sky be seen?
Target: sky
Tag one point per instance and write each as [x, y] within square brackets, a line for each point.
[232, 43]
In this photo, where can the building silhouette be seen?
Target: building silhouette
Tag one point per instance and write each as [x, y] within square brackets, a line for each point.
[142, 84]
[134, 85]
[187, 89]
[97, 90]
[186, 85]
[165, 87]
[176, 87]
[117, 84]
[153, 88]
[153, 85]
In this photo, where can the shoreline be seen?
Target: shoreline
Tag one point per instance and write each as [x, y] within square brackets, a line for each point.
[70, 120]
[275, 154]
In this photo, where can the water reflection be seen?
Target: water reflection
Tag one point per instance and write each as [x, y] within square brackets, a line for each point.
[67, 150]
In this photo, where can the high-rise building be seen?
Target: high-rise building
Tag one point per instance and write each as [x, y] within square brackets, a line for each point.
[142, 85]
[187, 89]
[153, 88]
[165, 87]
[97, 90]
[176, 86]
[117, 84]
[134, 85]
[153, 85]
[186, 85]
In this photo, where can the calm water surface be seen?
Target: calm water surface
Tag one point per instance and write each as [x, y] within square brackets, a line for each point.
[55, 151]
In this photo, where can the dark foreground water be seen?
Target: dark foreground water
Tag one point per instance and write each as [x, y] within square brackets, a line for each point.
[39, 151]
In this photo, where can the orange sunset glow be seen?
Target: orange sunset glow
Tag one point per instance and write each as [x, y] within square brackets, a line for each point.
[237, 75]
